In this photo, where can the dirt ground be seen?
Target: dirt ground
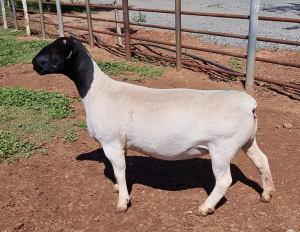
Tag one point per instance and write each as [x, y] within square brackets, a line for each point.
[71, 188]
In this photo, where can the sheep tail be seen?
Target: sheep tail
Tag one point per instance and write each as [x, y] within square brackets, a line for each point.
[255, 124]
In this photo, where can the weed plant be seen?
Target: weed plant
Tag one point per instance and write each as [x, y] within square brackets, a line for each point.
[235, 64]
[29, 119]
[140, 18]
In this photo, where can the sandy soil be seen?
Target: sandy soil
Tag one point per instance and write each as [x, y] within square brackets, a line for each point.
[71, 188]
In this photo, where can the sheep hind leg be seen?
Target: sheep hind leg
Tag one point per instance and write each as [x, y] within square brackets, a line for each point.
[221, 169]
[261, 161]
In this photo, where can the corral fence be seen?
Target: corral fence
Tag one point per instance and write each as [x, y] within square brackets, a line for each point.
[127, 37]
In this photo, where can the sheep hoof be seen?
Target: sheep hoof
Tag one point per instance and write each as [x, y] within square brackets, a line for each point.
[202, 211]
[121, 209]
[265, 197]
[116, 188]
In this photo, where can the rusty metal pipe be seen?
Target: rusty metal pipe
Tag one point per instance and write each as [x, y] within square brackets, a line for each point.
[82, 29]
[126, 29]
[297, 65]
[220, 34]
[224, 71]
[76, 16]
[178, 35]
[277, 82]
[279, 41]
[37, 30]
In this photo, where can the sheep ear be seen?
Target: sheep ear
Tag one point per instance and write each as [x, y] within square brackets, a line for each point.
[65, 48]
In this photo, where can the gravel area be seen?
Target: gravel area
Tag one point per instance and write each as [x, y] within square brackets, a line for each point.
[269, 29]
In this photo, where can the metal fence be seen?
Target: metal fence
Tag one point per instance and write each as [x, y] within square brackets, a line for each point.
[252, 38]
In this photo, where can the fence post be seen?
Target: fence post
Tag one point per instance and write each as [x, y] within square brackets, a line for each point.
[178, 35]
[3, 14]
[60, 20]
[26, 17]
[89, 20]
[253, 23]
[15, 14]
[118, 28]
[126, 30]
[42, 19]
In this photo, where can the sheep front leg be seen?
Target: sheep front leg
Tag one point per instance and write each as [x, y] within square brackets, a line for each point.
[117, 158]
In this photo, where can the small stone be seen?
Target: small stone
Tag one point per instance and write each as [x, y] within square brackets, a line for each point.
[287, 125]
[190, 212]
[19, 225]
[262, 213]
[41, 193]
[290, 231]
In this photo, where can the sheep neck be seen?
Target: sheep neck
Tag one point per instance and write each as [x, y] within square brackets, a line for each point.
[80, 70]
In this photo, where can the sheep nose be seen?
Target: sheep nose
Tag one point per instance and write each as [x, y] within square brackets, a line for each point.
[34, 61]
[37, 64]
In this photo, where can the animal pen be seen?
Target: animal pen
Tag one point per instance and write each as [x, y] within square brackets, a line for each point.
[128, 38]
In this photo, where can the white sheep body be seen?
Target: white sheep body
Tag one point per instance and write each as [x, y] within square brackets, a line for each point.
[169, 124]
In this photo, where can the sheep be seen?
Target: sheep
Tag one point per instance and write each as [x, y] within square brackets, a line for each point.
[167, 124]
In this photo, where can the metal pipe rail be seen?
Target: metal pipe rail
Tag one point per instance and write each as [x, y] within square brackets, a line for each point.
[78, 28]
[289, 42]
[291, 20]
[291, 64]
[74, 16]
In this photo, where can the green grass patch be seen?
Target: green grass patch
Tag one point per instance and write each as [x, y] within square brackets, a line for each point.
[52, 104]
[29, 119]
[10, 34]
[114, 68]
[13, 51]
